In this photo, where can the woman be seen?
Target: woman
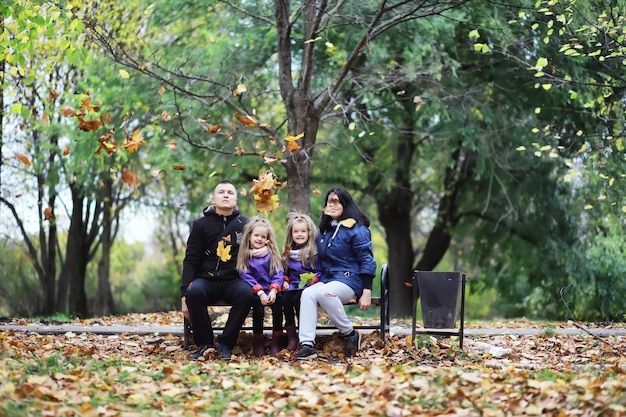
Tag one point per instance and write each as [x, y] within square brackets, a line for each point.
[348, 267]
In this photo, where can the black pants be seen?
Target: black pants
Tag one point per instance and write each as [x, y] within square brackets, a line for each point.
[291, 306]
[202, 293]
[258, 314]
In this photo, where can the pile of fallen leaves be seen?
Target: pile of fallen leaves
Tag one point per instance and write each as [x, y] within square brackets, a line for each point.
[92, 374]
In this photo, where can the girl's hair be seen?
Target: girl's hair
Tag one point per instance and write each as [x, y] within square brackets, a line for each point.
[350, 209]
[245, 251]
[308, 251]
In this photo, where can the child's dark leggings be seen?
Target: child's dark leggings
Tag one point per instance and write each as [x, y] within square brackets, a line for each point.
[258, 314]
[291, 301]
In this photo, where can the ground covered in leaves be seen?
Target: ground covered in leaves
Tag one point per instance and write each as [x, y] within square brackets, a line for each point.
[130, 375]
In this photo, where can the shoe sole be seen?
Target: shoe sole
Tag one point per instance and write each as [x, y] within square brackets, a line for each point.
[313, 356]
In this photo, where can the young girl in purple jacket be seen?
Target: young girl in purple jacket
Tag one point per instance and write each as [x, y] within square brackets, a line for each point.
[259, 263]
[300, 261]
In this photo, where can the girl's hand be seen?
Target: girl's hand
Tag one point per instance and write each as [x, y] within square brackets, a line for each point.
[271, 297]
[264, 299]
[285, 285]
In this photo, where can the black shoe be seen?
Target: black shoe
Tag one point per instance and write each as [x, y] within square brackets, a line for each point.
[353, 342]
[200, 352]
[224, 351]
[306, 352]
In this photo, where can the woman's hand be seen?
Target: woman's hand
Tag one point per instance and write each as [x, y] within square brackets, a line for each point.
[365, 302]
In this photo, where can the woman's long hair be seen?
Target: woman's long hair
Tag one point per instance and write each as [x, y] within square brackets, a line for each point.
[245, 250]
[308, 251]
[350, 209]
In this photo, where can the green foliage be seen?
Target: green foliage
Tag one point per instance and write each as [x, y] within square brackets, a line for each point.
[28, 22]
[156, 289]
[20, 291]
[598, 282]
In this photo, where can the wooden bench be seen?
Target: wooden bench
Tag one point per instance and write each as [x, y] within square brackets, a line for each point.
[382, 302]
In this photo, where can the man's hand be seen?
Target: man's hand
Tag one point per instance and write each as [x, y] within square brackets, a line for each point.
[185, 310]
[365, 302]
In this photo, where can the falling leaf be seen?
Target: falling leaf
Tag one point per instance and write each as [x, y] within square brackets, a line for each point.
[265, 199]
[162, 90]
[241, 88]
[130, 179]
[23, 158]
[213, 128]
[156, 172]
[53, 94]
[246, 120]
[47, 213]
[291, 142]
[66, 150]
[88, 125]
[45, 119]
[107, 143]
[132, 143]
[88, 107]
[68, 111]
[124, 74]
[172, 145]
[165, 116]
[180, 167]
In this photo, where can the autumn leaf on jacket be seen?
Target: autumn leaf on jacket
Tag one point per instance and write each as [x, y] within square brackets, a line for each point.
[223, 252]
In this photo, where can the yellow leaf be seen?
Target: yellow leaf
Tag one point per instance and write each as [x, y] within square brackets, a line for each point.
[132, 143]
[241, 88]
[124, 74]
[23, 158]
[223, 252]
[291, 141]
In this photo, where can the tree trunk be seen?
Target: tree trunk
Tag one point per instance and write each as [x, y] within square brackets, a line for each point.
[71, 292]
[104, 303]
[395, 217]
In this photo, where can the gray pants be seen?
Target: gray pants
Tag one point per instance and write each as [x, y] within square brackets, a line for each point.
[330, 297]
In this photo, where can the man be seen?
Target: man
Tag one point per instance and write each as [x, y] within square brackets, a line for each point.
[210, 272]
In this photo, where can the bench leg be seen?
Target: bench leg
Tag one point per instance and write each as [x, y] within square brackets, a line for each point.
[187, 333]
[384, 301]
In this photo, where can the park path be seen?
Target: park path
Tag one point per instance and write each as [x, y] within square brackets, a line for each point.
[178, 330]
